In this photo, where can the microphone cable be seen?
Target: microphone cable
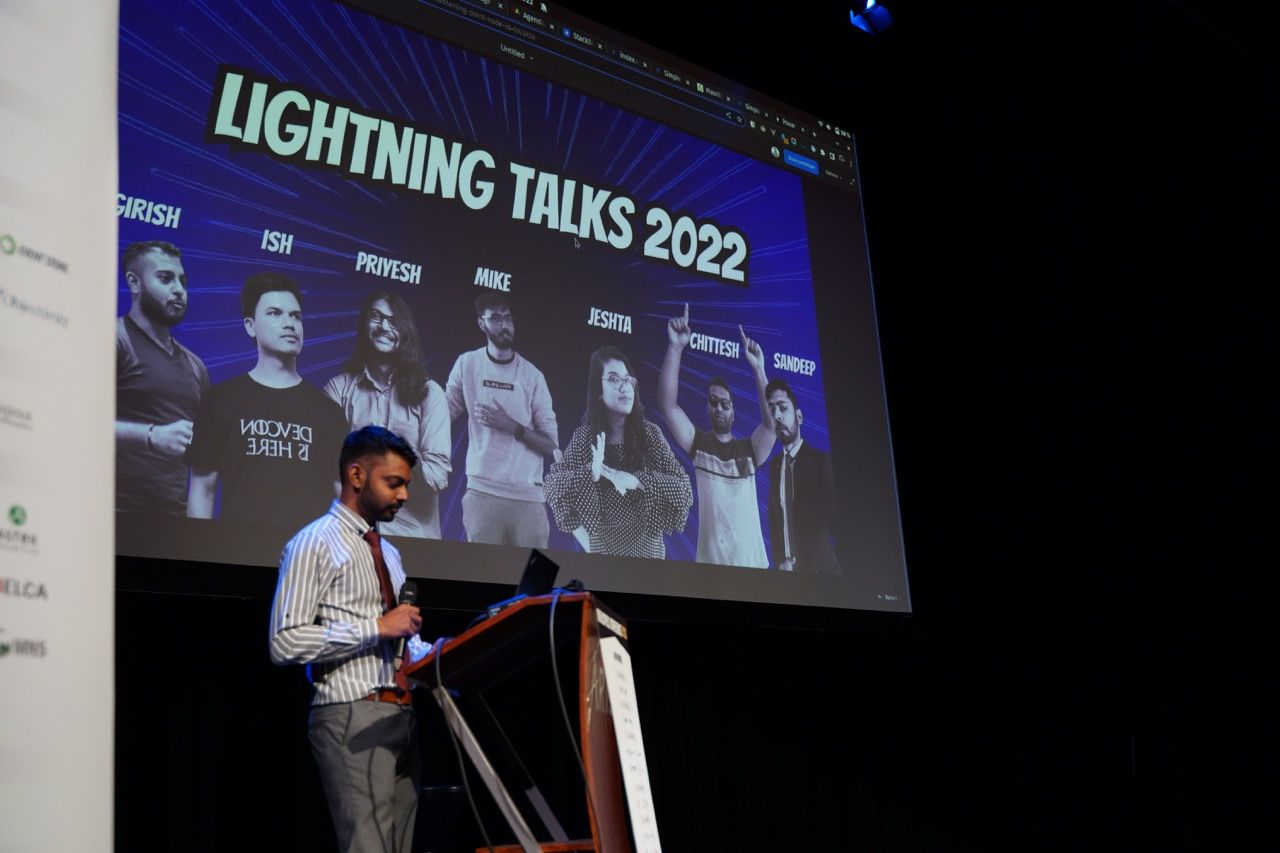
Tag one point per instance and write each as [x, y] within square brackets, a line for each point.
[564, 710]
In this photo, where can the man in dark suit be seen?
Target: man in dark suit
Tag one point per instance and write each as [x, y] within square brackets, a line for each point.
[802, 493]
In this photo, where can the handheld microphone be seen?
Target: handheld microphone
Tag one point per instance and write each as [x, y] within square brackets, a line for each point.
[408, 595]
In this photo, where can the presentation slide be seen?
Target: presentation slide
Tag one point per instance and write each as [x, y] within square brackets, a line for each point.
[607, 332]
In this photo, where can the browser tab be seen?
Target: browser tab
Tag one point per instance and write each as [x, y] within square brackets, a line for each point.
[628, 58]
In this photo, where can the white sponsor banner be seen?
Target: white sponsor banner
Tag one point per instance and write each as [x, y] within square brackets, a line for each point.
[57, 403]
[621, 685]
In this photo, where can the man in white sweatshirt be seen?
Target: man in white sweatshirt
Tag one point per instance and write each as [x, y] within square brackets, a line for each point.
[511, 431]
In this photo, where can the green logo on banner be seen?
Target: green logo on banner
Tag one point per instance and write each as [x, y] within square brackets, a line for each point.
[17, 515]
[8, 245]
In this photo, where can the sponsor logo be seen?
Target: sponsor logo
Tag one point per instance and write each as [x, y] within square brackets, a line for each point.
[21, 647]
[9, 246]
[141, 210]
[16, 417]
[609, 320]
[13, 537]
[504, 386]
[495, 279]
[23, 588]
[40, 312]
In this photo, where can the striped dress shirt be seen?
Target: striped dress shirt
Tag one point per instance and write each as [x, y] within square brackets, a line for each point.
[326, 608]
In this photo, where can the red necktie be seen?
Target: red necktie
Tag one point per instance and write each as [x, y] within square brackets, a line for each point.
[388, 596]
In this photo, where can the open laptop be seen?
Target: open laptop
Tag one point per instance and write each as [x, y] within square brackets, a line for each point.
[539, 578]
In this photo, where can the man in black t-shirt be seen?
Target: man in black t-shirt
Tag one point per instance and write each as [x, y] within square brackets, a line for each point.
[267, 437]
[159, 383]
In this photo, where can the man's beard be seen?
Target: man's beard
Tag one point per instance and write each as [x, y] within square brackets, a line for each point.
[158, 312]
[382, 512]
[375, 356]
[786, 436]
[375, 340]
[722, 425]
[503, 340]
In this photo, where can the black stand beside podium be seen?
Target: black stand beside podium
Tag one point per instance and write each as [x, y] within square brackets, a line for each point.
[510, 640]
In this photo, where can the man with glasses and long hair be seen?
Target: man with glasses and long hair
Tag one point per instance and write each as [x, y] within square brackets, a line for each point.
[618, 488]
[511, 430]
[385, 383]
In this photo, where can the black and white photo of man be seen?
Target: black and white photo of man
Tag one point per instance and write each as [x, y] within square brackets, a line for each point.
[724, 465]
[385, 383]
[266, 436]
[511, 430]
[159, 383]
[802, 492]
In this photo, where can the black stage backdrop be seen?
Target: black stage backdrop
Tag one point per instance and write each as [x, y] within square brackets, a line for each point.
[1065, 209]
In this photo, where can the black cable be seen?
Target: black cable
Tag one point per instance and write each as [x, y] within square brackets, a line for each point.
[457, 749]
[511, 747]
[564, 710]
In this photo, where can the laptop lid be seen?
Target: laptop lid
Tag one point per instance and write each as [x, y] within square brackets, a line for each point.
[539, 576]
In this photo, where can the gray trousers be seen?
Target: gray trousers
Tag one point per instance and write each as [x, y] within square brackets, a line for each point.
[505, 521]
[370, 765]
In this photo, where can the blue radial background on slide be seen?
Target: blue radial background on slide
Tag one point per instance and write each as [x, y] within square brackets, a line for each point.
[170, 55]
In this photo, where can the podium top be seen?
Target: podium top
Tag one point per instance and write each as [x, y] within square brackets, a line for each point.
[488, 651]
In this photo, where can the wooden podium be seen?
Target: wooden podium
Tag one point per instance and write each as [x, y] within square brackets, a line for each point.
[512, 639]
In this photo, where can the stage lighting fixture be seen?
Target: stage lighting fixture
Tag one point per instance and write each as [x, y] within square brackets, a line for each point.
[873, 18]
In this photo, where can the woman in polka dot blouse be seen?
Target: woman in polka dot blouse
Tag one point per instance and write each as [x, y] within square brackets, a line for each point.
[618, 487]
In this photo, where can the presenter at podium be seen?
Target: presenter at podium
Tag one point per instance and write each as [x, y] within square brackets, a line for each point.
[336, 611]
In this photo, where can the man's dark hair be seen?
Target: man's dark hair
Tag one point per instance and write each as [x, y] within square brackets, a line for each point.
[373, 441]
[265, 282]
[489, 300]
[716, 381]
[135, 251]
[409, 374]
[780, 384]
